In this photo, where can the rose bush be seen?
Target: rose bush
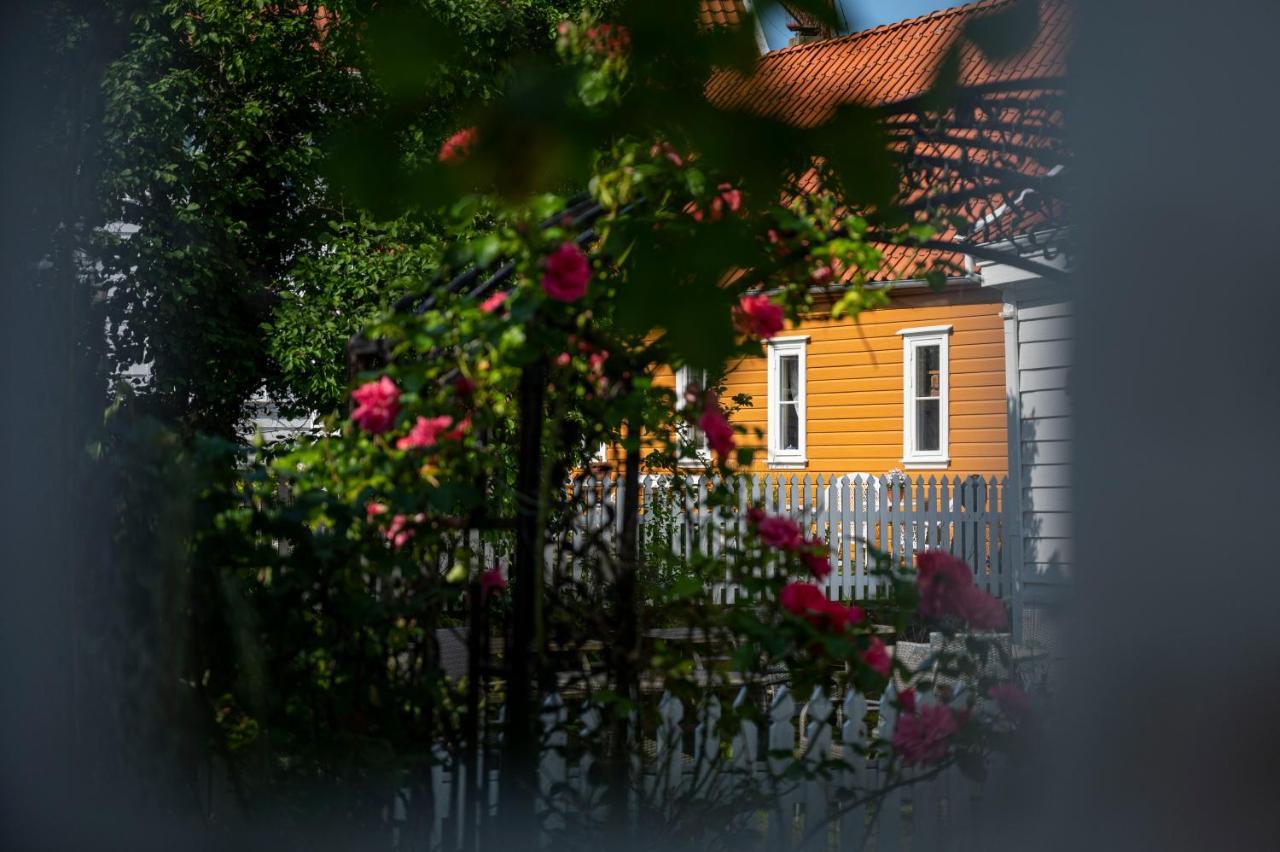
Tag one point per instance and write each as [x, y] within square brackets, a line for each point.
[491, 392]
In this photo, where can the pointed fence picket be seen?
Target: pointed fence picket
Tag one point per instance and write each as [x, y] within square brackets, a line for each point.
[855, 515]
[808, 789]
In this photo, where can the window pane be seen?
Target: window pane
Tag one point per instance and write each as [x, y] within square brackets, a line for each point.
[928, 372]
[689, 380]
[789, 367]
[789, 419]
[928, 425]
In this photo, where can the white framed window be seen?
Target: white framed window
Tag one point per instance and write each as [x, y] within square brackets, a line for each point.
[925, 396]
[786, 422]
[693, 443]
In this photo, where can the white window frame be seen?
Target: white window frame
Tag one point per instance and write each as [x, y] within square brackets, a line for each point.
[702, 454]
[913, 339]
[779, 348]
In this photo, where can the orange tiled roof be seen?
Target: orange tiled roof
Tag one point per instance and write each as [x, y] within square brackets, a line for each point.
[720, 13]
[804, 84]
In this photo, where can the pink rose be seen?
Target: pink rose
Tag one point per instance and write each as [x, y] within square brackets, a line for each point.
[946, 588]
[377, 404]
[782, 533]
[922, 737]
[981, 610]
[814, 554]
[491, 583]
[665, 149]
[756, 316]
[399, 532]
[609, 40]
[728, 197]
[566, 273]
[802, 598]
[424, 433]
[1012, 700]
[876, 658]
[372, 509]
[458, 146]
[494, 302]
[807, 601]
[456, 433]
[907, 701]
[714, 425]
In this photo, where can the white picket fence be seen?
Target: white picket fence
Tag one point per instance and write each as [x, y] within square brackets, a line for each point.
[963, 516]
[803, 779]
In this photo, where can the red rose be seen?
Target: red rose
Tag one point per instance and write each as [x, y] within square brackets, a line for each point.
[566, 274]
[876, 658]
[458, 146]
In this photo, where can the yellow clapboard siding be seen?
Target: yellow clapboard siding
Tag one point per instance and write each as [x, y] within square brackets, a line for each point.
[854, 393]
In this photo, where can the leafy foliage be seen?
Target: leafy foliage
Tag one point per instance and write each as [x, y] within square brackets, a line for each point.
[219, 122]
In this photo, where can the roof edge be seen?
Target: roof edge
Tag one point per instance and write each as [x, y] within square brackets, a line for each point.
[949, 12]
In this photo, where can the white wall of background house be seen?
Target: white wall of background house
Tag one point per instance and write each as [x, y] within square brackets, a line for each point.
[1038, 333]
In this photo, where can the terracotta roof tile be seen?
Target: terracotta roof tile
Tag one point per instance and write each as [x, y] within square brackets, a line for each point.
[720, 13]
[804, 85]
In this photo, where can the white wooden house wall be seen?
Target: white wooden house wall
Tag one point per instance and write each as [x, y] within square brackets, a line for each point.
[1039, 331]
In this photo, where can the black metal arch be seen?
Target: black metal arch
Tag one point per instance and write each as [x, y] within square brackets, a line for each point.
[995, 162]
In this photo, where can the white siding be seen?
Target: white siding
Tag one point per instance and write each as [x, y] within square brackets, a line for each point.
[1044, 327]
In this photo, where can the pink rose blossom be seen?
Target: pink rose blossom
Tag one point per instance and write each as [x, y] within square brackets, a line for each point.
[1012, 700]
[728, 198]
[666, 149]
[714, 425]
[456, 433]
[756, 316]
[782, 533]
[491, 583]
[981, 610]
[494, 302]
[458, 146]
[800, 598]
[922, 737]
[377, 404]
[424, 433]
[907, 701]
[946, 588]
[876, 658]
[610, 40]
[373, 509]
[814, 554]
[567, 273]
[807, 601]
[399, 532]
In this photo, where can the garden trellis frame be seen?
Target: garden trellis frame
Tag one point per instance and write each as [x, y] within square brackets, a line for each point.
[992, 162]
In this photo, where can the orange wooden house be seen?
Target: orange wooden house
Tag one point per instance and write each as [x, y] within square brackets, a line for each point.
[919, 386]
[971, 380]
